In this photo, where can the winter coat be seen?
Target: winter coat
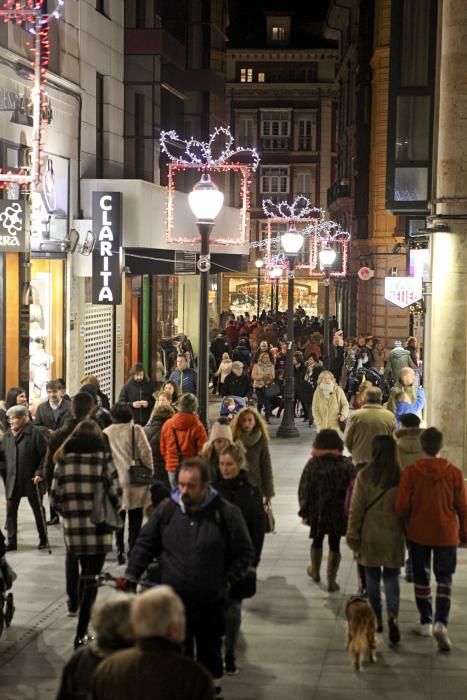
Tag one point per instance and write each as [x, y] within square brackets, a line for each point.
[237, 385]
[432, 500]
[241, 492]
[409, 448]
[191, 435]
[186, 380]
[262, 375]
[218, 347]
[403, 407]
[380, 357]
[24, 459]
[326, 412]
[138, 391]
[258, 459]
[121, 444]
[231, 333]
[86, 462]
[46, 418]
[153, 429]
[200, 552]
[398, 358]
[375, 531]
[77, 674]
[365, 424]
[223, 370]
[242, 354]
[321, 494]
[155, 668]
[411, 392]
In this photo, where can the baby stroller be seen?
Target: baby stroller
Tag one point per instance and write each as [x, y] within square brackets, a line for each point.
[231, 405]
[370, 375]
[7, 576]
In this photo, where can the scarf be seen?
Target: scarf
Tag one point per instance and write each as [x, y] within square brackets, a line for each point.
[250, 439]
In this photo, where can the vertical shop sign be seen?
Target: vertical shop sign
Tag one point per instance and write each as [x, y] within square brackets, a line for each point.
[12, 226]
[107, 253]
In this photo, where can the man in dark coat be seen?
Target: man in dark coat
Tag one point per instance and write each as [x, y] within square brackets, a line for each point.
[204, 547]
[138, 392]
[155, 668]
[237, 383]
[24, 447]
[51, 414]
[220, 345]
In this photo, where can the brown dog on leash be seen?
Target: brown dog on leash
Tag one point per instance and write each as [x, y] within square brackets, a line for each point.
[361, 631]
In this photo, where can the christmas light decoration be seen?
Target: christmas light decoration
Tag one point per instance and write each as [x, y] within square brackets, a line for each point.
[213, 156]
[300, 209]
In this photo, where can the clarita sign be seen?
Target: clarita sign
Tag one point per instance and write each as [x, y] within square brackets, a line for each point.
[12, 226]
[107, 253]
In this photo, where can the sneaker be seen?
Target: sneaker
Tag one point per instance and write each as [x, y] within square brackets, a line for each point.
[440, 633]
[424, 629]
[54, 520]
[218, 694]
[394, 632]
[72, 610]
[42, 545]
[230, 665]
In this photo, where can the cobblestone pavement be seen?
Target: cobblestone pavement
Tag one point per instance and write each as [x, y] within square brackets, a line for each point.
[292, 644]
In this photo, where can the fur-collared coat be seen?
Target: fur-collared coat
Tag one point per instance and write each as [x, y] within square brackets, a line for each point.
[121, 444]
[321, 494]
[86, 462]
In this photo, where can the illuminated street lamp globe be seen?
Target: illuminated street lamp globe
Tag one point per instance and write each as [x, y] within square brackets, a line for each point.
[292, 241]
[259, 263]
[327, 256]
[205, 200]
[275, 273]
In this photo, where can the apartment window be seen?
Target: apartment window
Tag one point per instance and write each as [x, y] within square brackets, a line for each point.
[99, 125]
[275, 181]
[245, 135]
[305, 184]
[307, 134]
[275, 124]
[246, 75]
[278, 33]
[139, 136]
[261, 77]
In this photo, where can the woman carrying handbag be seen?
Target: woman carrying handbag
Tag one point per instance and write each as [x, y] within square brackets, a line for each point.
[129, 446]
[82, 465]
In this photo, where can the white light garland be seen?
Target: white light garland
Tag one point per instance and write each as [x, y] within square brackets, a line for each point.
[203, 153]
[301, 208]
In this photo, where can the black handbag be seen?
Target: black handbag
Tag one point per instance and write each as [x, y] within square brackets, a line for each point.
[271, 390]
[104, 514]
[246, 587]
[138, 473]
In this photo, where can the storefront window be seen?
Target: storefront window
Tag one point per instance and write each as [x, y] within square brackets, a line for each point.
[46, 325]
[243, 296]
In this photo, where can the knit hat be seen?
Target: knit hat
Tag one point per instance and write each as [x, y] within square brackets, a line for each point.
[237, 365]
[188, 403]
[221, 432]
[397, 344]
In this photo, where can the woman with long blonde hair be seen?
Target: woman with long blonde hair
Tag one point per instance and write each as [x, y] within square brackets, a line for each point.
[249, 427]
[330, 407]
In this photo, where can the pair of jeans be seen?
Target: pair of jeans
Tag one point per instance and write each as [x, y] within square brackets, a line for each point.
[135, 520]
[263, 401]
[444, 566]
[391, 589]
[205, 627]
[333, 541]
[12, 506]
[91, 565]
[233, 621]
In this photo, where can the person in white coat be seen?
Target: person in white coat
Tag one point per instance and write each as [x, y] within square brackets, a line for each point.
[330, 407]
[124, 451]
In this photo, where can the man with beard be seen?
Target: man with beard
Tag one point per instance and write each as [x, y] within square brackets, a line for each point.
[138, 392]
[203, 546]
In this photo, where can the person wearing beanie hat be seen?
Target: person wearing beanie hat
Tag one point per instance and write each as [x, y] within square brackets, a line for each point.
[398, 359]
[182, 436]
[220, 437]
[238, 382]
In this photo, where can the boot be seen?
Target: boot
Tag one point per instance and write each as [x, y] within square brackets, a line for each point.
[313, 571]
[333, 567]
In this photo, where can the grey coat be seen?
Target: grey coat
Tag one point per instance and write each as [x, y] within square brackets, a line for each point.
[24, 458]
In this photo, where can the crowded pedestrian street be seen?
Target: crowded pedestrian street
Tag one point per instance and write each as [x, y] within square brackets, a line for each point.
[293, 631]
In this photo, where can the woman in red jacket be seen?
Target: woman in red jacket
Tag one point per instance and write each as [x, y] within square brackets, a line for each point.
[182, 436]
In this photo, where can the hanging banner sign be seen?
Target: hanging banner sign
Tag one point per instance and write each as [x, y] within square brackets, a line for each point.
[107, 253]
[403, 291]
[12, 226]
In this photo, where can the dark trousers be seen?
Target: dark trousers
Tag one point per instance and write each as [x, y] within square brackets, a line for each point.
[12, 506]
[135, 520]
[333, 541]
[205, 629]
[91, 565]
[72, 580]
[263, 401]
[444, 566]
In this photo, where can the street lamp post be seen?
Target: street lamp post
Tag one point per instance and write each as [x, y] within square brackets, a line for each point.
[275, 275]
[326, 258]
[205, 202]
[292, 242]
[259, 264]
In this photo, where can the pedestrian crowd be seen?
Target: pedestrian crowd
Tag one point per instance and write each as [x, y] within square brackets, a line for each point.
[196, 506]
